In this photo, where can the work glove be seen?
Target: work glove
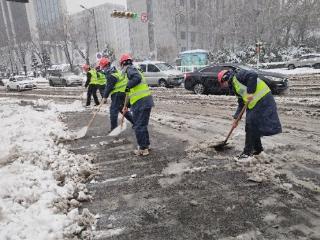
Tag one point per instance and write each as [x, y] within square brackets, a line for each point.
[127, 90]
[250, 97]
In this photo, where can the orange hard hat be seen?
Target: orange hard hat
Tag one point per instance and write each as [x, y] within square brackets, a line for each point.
[125, 57]
[85, 67]
[221, 75]
[103, 62]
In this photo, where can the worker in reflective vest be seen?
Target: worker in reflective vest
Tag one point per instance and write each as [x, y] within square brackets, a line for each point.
[91, 83]
[262, 117]
[101, 80]
[141, 103]
[116, 86]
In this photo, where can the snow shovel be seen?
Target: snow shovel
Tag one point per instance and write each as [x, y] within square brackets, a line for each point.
[123, 125]
[83, 131]
[221, 145]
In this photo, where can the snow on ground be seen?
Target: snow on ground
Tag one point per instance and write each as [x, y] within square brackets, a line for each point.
[38, 178]
[296, 71]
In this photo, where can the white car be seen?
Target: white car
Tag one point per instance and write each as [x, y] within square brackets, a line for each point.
[160, 74]
[20, 83]
[307, 60]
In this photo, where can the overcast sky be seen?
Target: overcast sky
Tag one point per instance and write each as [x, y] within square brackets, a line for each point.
[73, 5]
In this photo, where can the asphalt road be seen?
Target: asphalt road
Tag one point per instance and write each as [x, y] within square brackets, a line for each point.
[187, 190]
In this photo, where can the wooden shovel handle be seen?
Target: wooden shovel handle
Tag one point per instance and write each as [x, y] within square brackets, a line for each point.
[124, 105]
[94, 115]
[237, 121]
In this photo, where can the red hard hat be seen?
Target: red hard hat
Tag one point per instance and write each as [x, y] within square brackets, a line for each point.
[85, 67]
[221, 75]
[125, 57]
[103, 62]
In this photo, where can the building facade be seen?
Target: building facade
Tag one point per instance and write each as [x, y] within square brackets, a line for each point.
[111, 33]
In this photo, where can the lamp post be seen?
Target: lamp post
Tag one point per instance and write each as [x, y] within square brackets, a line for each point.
[95, 24]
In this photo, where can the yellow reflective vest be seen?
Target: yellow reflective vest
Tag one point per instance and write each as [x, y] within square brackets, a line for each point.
[262, 89]
[121, 84]
[139, 91]
[101, 78]
[94, 77]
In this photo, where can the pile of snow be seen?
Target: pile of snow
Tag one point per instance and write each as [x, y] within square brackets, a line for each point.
[41, 183]
[296, 71]
[75, 106]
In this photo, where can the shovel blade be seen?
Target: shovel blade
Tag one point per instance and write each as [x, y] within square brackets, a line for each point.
[220, 146]
[80, 134]
[118, 130]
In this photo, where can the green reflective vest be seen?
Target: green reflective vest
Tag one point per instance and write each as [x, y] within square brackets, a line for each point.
[139, 91]
[262, 89]
[101, 78]
[121, 84]
[94, 76]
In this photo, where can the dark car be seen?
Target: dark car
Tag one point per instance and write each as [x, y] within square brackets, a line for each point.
[205, 80]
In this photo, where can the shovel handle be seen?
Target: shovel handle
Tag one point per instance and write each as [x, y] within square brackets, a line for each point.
[94, 115]
[237, 120]
[124, 105]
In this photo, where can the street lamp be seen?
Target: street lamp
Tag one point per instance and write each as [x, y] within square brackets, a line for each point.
[95, 24]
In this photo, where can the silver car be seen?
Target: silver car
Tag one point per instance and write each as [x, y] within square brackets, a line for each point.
[160, 74]
[307, 60]
[59, 78]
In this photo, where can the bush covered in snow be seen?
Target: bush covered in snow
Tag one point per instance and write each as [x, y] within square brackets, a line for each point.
[268, 54]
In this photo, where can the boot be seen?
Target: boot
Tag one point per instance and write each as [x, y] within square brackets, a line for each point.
[141, 152]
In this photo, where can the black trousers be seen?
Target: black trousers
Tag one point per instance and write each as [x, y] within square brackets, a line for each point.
[116, 108]
[253, 141]
[92, 91]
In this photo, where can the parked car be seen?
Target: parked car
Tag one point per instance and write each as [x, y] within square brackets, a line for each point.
[307, 60]
[59, 78]
[160, 74]
[20, 83]
[205, 80]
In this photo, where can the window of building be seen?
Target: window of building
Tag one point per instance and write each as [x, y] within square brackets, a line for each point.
[182, 19]
[193, 36]
[182, 2]
[193, 20]
[183, 35]
[193, 4]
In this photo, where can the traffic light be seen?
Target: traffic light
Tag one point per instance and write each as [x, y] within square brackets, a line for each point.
[124, 14]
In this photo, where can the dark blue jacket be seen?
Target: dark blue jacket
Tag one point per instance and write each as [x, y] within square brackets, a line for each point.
[263, 118]
[111, 81]
[134, 79]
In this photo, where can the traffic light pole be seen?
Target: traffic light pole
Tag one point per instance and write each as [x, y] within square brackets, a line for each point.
[95, 29]
[95, 24]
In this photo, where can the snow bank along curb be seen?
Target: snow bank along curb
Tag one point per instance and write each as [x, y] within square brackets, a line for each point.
[41, 183]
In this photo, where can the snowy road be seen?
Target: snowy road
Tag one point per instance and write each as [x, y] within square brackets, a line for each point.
[187, 190]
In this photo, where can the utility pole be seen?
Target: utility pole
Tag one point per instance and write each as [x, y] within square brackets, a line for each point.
[95, 24]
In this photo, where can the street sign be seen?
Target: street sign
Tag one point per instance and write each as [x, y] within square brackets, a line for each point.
[144, 17]
[99, 55]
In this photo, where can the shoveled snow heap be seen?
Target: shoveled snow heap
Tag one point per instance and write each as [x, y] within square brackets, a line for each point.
[39, 180]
